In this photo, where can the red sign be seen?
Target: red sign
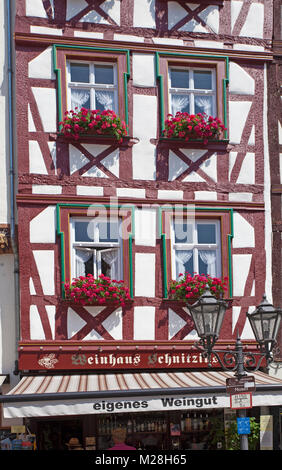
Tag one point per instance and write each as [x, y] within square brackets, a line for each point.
[47, 359]
[75, 357]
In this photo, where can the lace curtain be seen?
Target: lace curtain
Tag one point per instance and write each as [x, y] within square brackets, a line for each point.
[81, 258]
[105, 98]
[79, 98]
[209, 257]
[179, 103]
[106, 261]
[110, 257]
[204, 103]
[181, 258]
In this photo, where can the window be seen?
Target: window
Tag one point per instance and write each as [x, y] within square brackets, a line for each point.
[92, 85]
[192, 90]
[196, 247]
[96, 247]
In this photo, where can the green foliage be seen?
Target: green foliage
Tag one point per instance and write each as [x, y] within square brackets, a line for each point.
[229, 436]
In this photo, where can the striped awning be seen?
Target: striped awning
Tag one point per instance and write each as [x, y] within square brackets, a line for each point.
[52, 395]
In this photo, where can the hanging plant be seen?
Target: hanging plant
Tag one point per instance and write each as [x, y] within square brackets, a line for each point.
[193, 127]
[193, 286]
[95, 122]
[86, 290]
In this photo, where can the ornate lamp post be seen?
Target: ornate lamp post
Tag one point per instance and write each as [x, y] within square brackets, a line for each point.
[208, 314]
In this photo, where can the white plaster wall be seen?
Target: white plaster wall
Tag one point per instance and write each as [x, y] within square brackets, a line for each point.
[144, 14]
[112, 8]
[35, 8]
[42, 65]
[47, 105]
[244, 233]
[253, 26]
[144, 323]
[240, 82]
[46, 189]
[145, 274]
[209, 15]
[75, 323]
[113, 324]
[77, 160]
[145, 227]
[175, 323]
[44, 260]
[241, 265]
[43, 226]
[140, 63]
[36, 160]
[238, 113]
[144, 128]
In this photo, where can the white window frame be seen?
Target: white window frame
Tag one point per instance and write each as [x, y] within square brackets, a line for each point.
[96, 246]
[191, 91]
[195, 246]
[92, 86]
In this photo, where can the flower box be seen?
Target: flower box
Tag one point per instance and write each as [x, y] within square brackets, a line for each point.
[93, 123]
[87, 290]
[190, 287]
[199, 128]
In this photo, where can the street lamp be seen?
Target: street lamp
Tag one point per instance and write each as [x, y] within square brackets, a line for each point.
[208, 314]
[265, 322]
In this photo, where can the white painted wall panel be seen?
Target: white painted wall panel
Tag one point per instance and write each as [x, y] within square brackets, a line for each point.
[145, 129]
[145, 274]
[47, 106]
[241, 265]
[44, 260]
[43, 226]
[145, 227]
[144, 14]
[144, 323]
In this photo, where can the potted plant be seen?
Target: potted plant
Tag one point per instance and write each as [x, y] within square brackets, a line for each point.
[190, 287]
[94, 122]
[193, 127]
[86, 290]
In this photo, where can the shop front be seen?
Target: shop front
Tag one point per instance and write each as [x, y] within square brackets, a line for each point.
[159, 410]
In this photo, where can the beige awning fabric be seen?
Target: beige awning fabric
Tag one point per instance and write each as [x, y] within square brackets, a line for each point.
[56, 395]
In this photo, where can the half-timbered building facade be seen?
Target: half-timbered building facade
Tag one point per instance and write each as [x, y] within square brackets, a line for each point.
[95, 205]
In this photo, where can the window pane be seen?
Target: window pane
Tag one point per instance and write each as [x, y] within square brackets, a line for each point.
[108, 231]
[79, 73]
[206, 233]
[203, 104]
[179, 78]
[183, 233]
[180, 103]
[207, 262]
[104, 74]
[184, 262]
[104, 100]
[83, 231]
[202, 80]
[80, 98]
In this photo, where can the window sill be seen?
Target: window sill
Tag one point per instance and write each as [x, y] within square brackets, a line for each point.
[181, 143]
[182, 302]
[127, 141]
[107, 303]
